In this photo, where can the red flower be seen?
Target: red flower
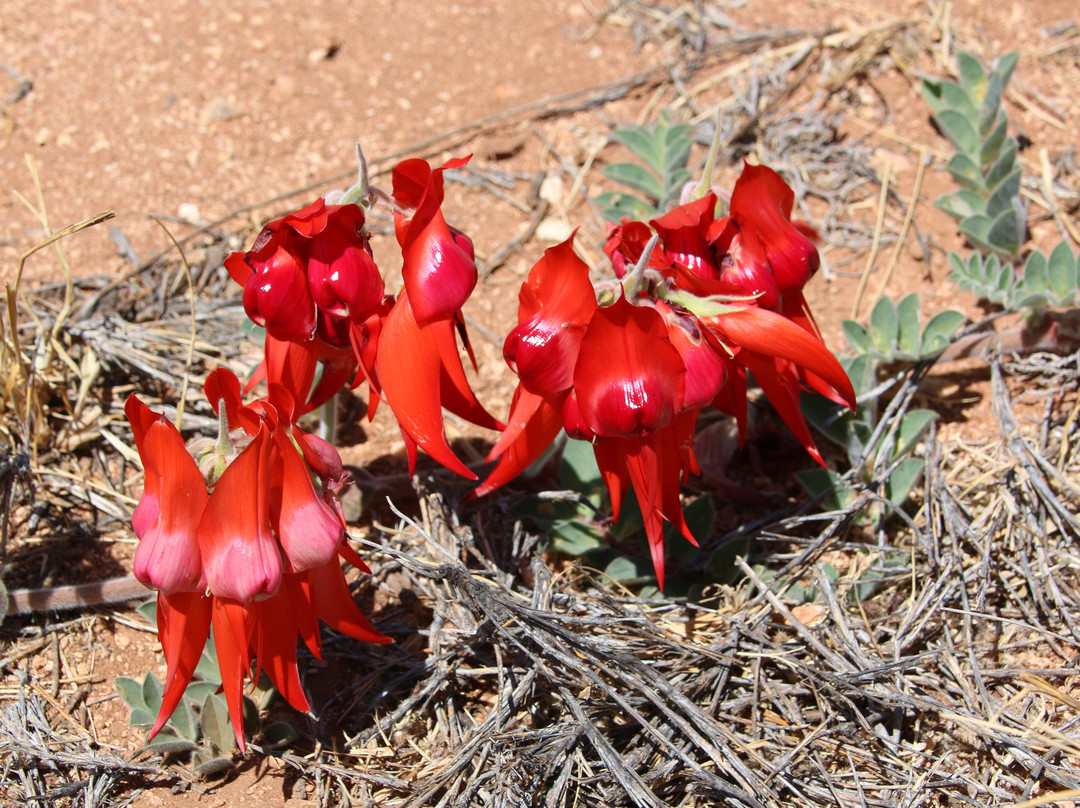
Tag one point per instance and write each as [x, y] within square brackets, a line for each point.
[310, 280]
[245, 536]
[557, 302]
[417, 365]
[439, 270]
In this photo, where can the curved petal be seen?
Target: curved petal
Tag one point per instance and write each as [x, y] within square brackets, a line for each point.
[276, 633]
[344, 279]
[233, 658]
[762, 201]
[557, 301]
[439, 270]
[629, 378]
[335, 606]
[535, 421]
[174, 497]
[183, 620]
[771, 334]
[410, 370]
[277, 295]
[241, 557]
[308, 529]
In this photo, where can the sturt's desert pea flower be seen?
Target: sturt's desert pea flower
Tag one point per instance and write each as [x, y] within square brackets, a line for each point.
[418, 366]
[701, 301]
[242, 532]
[311, 282]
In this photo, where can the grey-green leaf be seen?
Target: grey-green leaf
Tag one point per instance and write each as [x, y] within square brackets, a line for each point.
[635, 176]
[908, 325]
[939, 330]
[959, 130]
[883, 326]
[912, 427]
[1062, 274]
[903, 479]
[216, 727]
[857, 336]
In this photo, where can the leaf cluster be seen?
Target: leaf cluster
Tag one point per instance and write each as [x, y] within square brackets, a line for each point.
[1045, 281]
[894, 331]
[656, 180]
[200, 724]
[987, 204]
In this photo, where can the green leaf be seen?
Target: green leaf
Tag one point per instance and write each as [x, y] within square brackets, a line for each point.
[991, 102]
[975, 229]
[131, 691]
[617, 205]
[628, 569]
[953, 96]
[933, 92]
[1003, 166]
[216, 727]
[903, 479]
[1061, 271]
[1007, 233]
[214, 766]
[1005, 67]
[912, 427]
[141, 717]
[966, 173]
[1005, 196]
[721, 566]
[1035, 280]
[575, 538]
[635, 176]
[183, 721]
[167, 743]
[641, 142]
[993, 145]
[279, 734]
[883, 326]
[936, 335]
[148, 611]
[578, 470]
[197, 692]
[857, 336]
[817, 481]
[972, 76]
[152, 693]
[700, 517]
[909, 323]
[959, 130]
[961, 204]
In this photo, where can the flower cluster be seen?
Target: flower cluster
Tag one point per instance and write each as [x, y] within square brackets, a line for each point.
[242, 533]
[245, 534]
[311, 281]
[702, 300]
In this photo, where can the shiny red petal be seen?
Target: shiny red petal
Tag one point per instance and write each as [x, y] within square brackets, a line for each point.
[629, 378]
[761, 200]
[771, 334]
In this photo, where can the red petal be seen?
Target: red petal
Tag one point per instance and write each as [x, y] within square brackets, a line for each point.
[277, 295]
[174, 497]
[233, 657]
[683, 232]
[535, 421]
[308, 529]
[183, 628]
[771, 334]
[277, 632]
[556, 303]
[411, 372]
[762, 201]
[335, 606]
[241, 557]
[629, 378]
[438, 270]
